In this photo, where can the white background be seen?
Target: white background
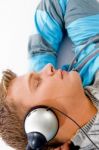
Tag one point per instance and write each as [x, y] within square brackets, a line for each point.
[16, 25]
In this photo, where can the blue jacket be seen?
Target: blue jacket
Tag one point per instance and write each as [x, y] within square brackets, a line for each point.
[80, 19]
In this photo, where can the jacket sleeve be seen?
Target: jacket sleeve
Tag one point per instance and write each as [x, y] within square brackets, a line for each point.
[44, 44]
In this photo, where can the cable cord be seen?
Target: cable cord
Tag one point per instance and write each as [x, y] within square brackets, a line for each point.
[75, 123]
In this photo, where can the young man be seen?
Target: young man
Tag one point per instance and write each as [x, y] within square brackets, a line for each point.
[52, 87]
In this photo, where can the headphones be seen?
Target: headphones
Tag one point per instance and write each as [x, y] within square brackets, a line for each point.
[41, 125]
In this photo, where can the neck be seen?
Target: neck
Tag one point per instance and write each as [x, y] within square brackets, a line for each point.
[82, 114]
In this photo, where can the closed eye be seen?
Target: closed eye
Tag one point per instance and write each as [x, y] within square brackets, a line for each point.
[34, 81]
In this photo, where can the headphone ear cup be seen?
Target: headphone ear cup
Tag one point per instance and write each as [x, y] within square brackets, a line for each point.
[36, 140]
[41, 125]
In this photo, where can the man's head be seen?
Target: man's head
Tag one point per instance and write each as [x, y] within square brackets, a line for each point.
[49, 87]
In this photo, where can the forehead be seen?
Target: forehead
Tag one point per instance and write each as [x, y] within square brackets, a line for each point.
[15, 85]
[17, 80]
[13, 82]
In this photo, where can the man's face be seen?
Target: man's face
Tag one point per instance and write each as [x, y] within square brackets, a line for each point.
[44, 87]
[49, 87]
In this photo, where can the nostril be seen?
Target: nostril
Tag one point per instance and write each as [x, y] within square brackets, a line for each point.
[52, 69]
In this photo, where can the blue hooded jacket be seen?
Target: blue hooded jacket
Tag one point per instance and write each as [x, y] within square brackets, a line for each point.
[80, 18]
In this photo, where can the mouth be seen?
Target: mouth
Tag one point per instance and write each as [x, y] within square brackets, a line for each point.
[63, 73]
[60, 73]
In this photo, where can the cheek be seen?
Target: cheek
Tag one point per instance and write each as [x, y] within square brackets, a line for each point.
[47, 90]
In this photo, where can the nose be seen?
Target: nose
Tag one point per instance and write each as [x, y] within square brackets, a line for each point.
[49, 70]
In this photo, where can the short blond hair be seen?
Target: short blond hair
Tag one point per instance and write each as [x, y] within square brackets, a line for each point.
[11, 127]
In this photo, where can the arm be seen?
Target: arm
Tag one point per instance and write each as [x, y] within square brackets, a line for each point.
[44, 45]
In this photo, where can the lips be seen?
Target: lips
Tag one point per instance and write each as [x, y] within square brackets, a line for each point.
[63, 72]
[60, 73]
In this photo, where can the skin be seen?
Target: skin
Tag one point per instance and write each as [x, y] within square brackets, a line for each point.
[52, 88]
